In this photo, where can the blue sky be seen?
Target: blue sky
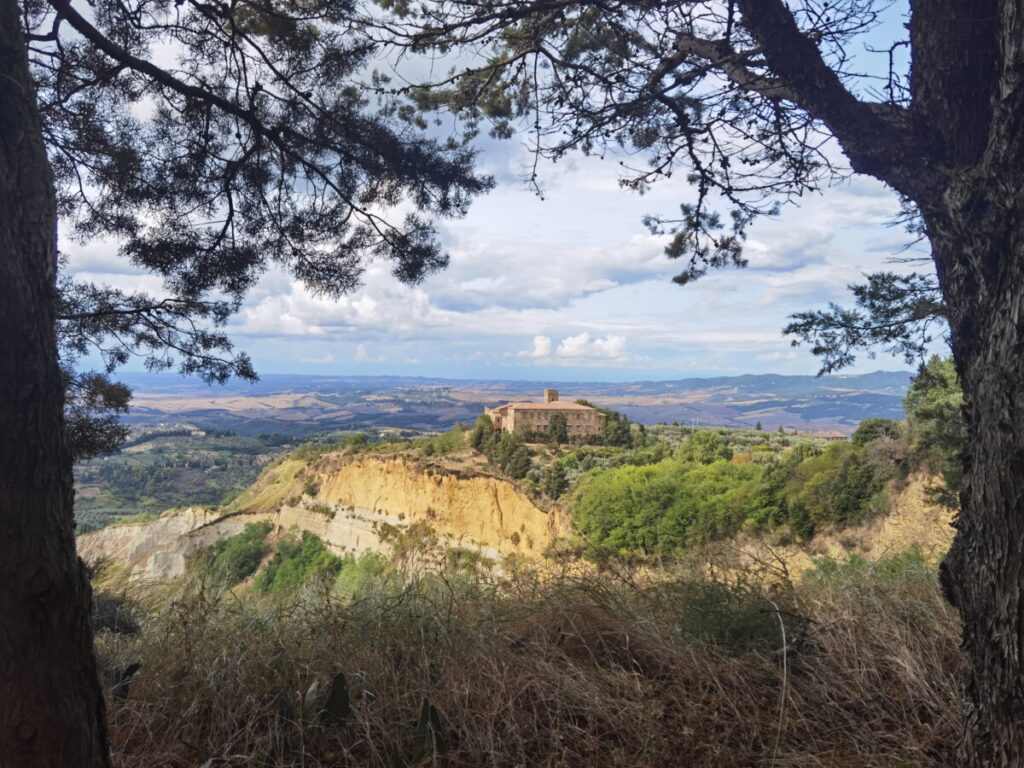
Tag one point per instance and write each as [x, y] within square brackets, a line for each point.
[571, 287]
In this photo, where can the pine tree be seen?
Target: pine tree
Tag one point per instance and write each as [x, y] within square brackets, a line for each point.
[558, 429]
[255, 147]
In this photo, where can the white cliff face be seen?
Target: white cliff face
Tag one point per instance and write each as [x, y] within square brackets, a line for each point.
[361, 505]
[157, 550]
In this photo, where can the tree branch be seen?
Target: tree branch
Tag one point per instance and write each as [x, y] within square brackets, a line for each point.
[877, 138]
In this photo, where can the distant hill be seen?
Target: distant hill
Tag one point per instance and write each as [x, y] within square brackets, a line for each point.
[304, 404]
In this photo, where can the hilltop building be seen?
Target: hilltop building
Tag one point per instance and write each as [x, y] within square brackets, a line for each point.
[830, 435]
[525, 418]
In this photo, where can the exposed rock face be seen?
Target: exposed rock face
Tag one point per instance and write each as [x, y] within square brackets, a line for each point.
[158, 549]
[475, 510]
[359, 505]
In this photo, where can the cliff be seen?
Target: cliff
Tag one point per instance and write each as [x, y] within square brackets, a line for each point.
[355, 503]
[362, 503]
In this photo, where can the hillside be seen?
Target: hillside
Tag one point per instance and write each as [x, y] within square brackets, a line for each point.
[393, 499]
[355, 504]
[719, 598]
[377, 607]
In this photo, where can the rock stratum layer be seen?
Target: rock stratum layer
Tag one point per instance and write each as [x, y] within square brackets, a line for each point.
[356, 504]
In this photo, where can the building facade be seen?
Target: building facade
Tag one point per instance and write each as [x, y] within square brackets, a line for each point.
[535, 418]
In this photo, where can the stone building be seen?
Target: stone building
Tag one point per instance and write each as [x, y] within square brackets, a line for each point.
[526, 418]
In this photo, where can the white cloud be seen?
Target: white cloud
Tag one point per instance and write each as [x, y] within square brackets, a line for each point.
[581, 346]
[577, 276]
[541, 348]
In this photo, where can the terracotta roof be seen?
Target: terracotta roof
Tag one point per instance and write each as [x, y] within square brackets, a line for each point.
[558, 405]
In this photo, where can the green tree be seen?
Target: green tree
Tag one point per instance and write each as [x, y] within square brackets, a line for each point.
[518, 463]
[758, 426]
[870, 430]
[900, 314]
[297, 562]
[934, 406]
[704, 447]
[616, 429]
[558, 429]
[481, 437]
[237, 557]
[658, 509]
[208, 142]
[555, 481]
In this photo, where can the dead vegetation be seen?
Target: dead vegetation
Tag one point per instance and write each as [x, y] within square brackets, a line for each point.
[856, 666]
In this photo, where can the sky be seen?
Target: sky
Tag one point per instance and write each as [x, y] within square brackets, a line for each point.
[568, 287]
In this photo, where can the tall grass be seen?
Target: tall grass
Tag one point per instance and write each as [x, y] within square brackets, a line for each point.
[855, 667]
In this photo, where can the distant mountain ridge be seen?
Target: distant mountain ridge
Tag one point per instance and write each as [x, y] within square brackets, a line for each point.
[303, 404]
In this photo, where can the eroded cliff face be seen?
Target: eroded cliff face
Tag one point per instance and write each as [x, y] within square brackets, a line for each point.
[356, 504]
[158, 549]
[475, 510]
[912, 521]
[365, 503]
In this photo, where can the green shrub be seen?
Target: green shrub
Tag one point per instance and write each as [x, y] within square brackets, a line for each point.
[704, 447]
[934, 406]
[658, 509]
[359, 575]
[323, 509]
[237, 557]
[555, 482]
[870, 430]
[296, 562]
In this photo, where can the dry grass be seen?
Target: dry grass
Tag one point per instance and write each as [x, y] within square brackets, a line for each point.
[548, 672]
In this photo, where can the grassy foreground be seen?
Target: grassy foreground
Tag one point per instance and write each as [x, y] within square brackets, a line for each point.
[856, 666]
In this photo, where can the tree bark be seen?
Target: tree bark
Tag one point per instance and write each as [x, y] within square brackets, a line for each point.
[983, 575]
[51, 704]
[969, 108]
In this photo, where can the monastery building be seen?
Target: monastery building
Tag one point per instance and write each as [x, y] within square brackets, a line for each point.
[525, 418]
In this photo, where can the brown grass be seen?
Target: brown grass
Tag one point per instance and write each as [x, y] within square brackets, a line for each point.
[583, 671]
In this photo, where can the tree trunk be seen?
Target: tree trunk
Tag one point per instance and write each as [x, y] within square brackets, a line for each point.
[51, 705]
[979, 250]
[983, 575]
[967, 80]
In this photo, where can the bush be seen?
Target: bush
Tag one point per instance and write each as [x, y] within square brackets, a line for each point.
[661, 508]
[704, 447]
[656, 509]
[451, 441]
[296, 562]
[361, 575]
[555, 482]
[503, 449]
[558, 429]
[237, 557]
[870, 430]
[934, 406]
